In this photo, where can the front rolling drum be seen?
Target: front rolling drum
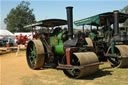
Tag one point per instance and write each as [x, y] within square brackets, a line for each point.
[81, 59]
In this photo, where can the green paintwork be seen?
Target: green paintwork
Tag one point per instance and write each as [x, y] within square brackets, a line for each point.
[112, 47]
[57, 43]
[92, 35]
[100, 34]
[33, 54]
[59, 49]
[88, 21]
[53, 41]
[59, 36]
[99, 20]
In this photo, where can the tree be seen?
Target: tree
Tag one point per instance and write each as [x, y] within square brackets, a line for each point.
[19, 17]
[125, 10]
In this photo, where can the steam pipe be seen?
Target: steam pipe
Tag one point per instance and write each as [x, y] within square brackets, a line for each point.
[127, 32]
[116, 22]
[70, 22]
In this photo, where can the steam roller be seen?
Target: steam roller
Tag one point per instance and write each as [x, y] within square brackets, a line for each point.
[61, 49]
[121, 56]
[108, 38]
[87, 62]
[79, 54]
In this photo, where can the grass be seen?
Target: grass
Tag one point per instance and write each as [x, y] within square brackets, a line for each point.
[105, 76]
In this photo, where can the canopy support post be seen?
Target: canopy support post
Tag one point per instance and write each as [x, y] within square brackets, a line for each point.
[83, 28]
[91, 27]
[32, 32]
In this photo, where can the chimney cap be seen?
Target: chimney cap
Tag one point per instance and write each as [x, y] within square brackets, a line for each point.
[116, 11]
[69, 7]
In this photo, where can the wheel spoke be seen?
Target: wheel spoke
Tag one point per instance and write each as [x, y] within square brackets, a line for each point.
[33, 55]
[34, 50]
[30, 49]
[31, 60]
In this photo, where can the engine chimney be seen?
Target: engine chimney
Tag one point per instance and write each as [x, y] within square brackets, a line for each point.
[116, 22]
[70, 22]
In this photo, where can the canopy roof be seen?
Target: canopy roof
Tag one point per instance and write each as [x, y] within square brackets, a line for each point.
[100, 19]
[48, 23]
[6, 33]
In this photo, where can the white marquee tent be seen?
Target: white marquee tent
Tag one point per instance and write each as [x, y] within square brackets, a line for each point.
[5, 34]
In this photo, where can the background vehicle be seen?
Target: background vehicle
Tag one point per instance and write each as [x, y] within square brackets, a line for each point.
[107, 39]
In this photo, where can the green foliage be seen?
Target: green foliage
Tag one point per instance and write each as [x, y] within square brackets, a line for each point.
[19, 17]
[125, 10]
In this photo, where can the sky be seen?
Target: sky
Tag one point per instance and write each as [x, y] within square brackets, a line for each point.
[46, 9]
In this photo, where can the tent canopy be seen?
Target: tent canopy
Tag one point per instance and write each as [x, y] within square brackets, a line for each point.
[48, 23]
[6, 33]
[100, 19]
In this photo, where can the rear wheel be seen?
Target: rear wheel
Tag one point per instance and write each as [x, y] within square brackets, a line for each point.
[114, 61]
[122, 56]
[35, 54]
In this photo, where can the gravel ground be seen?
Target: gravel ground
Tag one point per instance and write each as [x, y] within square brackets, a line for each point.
[14, 71]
